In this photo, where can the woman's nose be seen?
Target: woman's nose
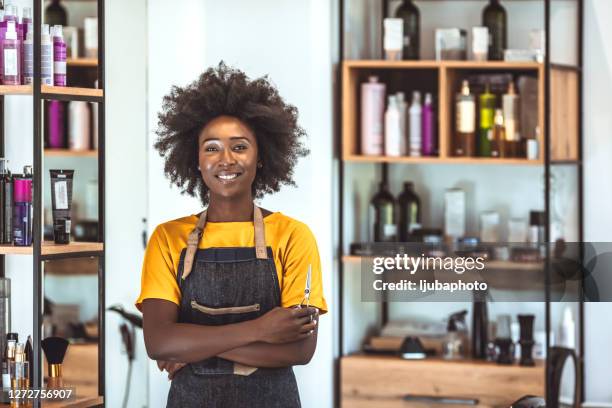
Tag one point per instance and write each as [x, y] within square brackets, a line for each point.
[228, 157]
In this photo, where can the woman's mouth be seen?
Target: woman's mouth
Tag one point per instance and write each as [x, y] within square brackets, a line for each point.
[227, 178]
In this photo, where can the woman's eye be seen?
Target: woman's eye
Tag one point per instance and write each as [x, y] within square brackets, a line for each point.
[240, 147]
[210, 148]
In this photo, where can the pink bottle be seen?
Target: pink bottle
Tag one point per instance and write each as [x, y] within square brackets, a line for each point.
[372, 117]
[59, 57]
[11, 53]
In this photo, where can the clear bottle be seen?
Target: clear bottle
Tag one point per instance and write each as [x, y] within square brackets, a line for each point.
[497, 135]
[494, 18]
[416, 111]
[46, 56]
[28, 56]
[429, 145]
[12, 56]
[393, 133]
[487, 114]
[510, 106]
[409, 217]
[465, 143]
[385, 224]
[410, 15]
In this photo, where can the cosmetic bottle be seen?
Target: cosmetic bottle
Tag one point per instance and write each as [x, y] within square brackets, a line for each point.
[416, 110]
[23, 211]
[465, 121]
[55, 13]
[454, 343]
[510, 104]
[526, 340]
[409, 13]
[78, 125]
[59, 57]
[9, 358]
[56, 124]
[409, 218]
[372, 117]
[487, 113]
[393, 132]
[20, 370]
[497, 135]
[404, 132]
[503, 340]
[480, 325]
[429, 144]
[26, 18]
[28, 56]
[385, 224]
[5, 311]
[393, 38]
[567, 329]
[6, 187]
[46, 56]
[494, 18]
[11, 50]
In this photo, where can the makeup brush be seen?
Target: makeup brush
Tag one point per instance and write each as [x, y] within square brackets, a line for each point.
[55, 350]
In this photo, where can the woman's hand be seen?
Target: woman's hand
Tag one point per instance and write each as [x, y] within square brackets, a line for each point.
[171, 367]
[284, 325]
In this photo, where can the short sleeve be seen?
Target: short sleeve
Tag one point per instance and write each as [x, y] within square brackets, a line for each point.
[301, 251]
[158, 272]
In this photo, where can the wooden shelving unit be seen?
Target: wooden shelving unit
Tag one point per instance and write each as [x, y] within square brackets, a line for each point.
[442, 160]
[50, 248]
[15, 90]
[47, 91]
[70, 153]
[383, 381]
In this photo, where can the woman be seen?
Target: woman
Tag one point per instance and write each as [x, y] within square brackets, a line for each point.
[221, 291]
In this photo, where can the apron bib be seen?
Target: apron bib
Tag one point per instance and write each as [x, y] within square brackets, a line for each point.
[221, 286]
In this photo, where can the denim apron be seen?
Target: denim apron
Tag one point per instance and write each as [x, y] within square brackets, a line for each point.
[222, 286]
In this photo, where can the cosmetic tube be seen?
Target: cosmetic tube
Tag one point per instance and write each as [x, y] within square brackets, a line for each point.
[61, 201]
[59, 57]
[23, 211]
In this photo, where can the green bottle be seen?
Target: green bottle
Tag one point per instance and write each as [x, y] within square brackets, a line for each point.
[487, 113]
[494, 18]
[409, 13]
[385, 224]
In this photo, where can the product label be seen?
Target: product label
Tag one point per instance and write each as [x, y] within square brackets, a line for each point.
[59, 68]
[10, 62]
[486, 118]
[61, 195]
[46, 64]
[28, 63]
[466, 116]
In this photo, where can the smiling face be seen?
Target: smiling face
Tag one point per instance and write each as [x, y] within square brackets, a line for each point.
[227, 157]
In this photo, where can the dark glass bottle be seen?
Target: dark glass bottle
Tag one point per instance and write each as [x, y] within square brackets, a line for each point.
[408, 12]
[409, 212]
[55, 14]
[385, 225]
[494, 18]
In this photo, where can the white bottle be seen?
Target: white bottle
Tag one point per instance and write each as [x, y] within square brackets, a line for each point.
[372, 117]
[393, 132]
[28, 56]
[403, 109]
[46, 56]
[78, 125]
[416, 111]
[567, 331]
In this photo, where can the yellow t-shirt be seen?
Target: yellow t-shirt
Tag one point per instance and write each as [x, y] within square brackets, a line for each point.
[293, 246]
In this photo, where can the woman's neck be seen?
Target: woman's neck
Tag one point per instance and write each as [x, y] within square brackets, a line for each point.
[221, 209]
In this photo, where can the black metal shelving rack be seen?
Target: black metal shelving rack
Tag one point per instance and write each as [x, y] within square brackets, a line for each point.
[548, 164]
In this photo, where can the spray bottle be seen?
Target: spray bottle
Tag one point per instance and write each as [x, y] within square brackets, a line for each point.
[59, 57]
[12, 56]
[46, 57]
[416, 111]
[28, 56]
[428, 141]
[23, 211]
[455, 342]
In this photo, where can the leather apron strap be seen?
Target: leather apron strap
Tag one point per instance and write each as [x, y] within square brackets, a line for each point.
[195, 235]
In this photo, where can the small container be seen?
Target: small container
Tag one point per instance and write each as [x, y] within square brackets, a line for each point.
[480, 43]
[489, 226]
[393, 38]
[451, 44]
[532, 149]
[61, 230]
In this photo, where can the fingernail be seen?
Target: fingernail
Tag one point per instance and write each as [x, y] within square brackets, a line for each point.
[315, 322]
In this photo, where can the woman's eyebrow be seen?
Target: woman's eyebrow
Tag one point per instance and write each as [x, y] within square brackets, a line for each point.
[231, 138]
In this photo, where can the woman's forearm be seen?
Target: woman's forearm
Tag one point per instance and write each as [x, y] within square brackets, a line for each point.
[270, 355]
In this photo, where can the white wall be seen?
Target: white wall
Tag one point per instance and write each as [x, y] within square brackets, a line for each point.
[290, 41]
[126, 190]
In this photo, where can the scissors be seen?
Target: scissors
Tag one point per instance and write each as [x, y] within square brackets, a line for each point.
[306, 300]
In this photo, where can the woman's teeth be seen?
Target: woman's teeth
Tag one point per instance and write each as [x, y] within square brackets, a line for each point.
[227, 176]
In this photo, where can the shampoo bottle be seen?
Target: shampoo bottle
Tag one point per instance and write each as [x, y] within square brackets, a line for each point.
[59, 57]
[487, 113]
[22, 211]
[403, 109]
[429, 145]
[465, 122]
[393, 132]
[11, 56]
[372, 117]
[28, 56]
[510, 106]
[46, 57]
[416, 111]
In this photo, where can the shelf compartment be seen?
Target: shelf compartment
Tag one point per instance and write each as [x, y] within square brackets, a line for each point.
[51, 250]
[442, 160]
[70, 153]
[67, 93]
[385, 380]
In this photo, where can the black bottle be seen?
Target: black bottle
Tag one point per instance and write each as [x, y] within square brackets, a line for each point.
[385, 225]
[480, 326]
[494, 18]
[55, 14]
[412, 28]
[409, 212]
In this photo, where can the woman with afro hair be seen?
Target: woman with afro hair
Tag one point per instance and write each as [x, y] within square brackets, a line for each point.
[223, 292]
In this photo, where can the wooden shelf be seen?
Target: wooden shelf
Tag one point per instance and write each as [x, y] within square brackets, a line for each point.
[15, 89]
[383, 381]
[71, 91]
[51, 248]
[82, 62]
[72, 267]
[496, 65]
[441, 160]
[70, 153]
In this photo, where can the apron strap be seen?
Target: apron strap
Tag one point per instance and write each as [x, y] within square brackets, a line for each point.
[196, 235]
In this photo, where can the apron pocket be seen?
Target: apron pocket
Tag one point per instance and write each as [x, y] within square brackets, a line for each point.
[215, 311]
